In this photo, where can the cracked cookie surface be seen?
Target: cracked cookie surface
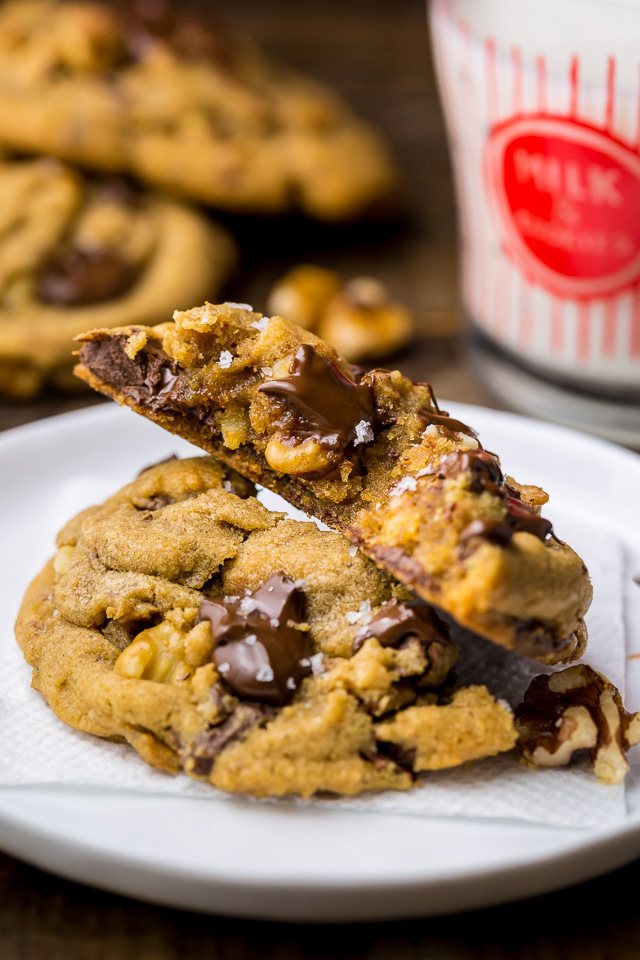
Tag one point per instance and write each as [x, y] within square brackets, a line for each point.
[176, 100]
[259, 653]
[373, 457]
[77, 250]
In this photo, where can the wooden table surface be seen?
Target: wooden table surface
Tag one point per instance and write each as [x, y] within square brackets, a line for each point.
[376, 52]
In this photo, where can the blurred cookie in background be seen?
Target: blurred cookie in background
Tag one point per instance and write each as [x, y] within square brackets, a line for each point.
[156, 91]
[357, 317]
[79, 251]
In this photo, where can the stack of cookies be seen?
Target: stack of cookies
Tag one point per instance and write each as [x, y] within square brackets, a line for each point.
[145, 95]
[270, 657]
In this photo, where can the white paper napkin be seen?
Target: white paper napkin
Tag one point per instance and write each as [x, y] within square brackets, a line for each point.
[37, 748]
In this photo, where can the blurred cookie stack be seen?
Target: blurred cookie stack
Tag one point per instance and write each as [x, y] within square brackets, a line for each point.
[147, 97]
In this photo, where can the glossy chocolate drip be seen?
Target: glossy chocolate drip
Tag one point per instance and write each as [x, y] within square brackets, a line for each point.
[450, 425]
[496, 531]
[151, 379]
[259, 651]
[328, 406]
[486, 471]
[521, 518]
[78, 277]
[396, 621]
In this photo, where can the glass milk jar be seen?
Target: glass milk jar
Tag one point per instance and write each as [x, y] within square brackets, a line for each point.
[542, 103]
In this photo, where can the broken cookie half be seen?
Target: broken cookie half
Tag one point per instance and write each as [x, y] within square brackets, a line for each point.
[258, 653]
[372, 456]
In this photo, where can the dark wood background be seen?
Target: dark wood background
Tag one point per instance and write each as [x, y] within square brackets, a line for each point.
[376, 53]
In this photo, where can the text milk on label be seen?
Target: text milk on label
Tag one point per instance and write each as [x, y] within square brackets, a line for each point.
[542, 102]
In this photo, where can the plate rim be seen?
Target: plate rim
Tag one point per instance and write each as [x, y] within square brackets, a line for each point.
[584, 843]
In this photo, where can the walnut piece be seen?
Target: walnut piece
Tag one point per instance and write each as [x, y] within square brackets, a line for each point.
[576, 709]
[356, 317]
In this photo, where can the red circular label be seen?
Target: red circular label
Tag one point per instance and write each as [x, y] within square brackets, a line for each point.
[567, 199]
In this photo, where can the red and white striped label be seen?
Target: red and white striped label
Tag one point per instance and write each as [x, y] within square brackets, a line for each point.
[548, 176]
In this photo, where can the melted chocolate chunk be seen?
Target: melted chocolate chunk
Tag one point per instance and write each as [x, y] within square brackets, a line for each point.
[258, 649]
[77, 277]
[396, 621]
[520, 518]
[326, 404]
[208, 745]
[486, 471]
[151, 379]
[497, 531]
[523, 517]
[450, 426]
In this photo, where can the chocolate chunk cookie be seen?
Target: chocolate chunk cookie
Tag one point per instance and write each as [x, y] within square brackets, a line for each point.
[155, 91]
[372, 456]
[76, 250]
[256, 652]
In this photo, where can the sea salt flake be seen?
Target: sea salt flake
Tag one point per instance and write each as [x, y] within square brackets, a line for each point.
[504, 704]
[224, 667]
[431, 431]
[291, 684]
[300, 584]
[352, 551]
[266, 371]
[275, 623]
[264, 674]
[364, 433]
[363, 614]
[227, 485]
[468, 443]
[239, 306]
[226, 359]
[251, 640]
[406, 483]
[317, 664]
[260, 324]
[305, 662]
[365, 611]
[248, 605]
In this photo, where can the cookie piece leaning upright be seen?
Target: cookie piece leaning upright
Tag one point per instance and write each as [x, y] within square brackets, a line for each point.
[78, 251]
[259, 653]
[373, 457]
[155, 91]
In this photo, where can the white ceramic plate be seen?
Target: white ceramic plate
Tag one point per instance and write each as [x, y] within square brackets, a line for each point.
[293, 863]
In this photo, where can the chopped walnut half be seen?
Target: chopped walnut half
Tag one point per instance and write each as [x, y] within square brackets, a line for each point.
[576, 709]
[356, 317]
